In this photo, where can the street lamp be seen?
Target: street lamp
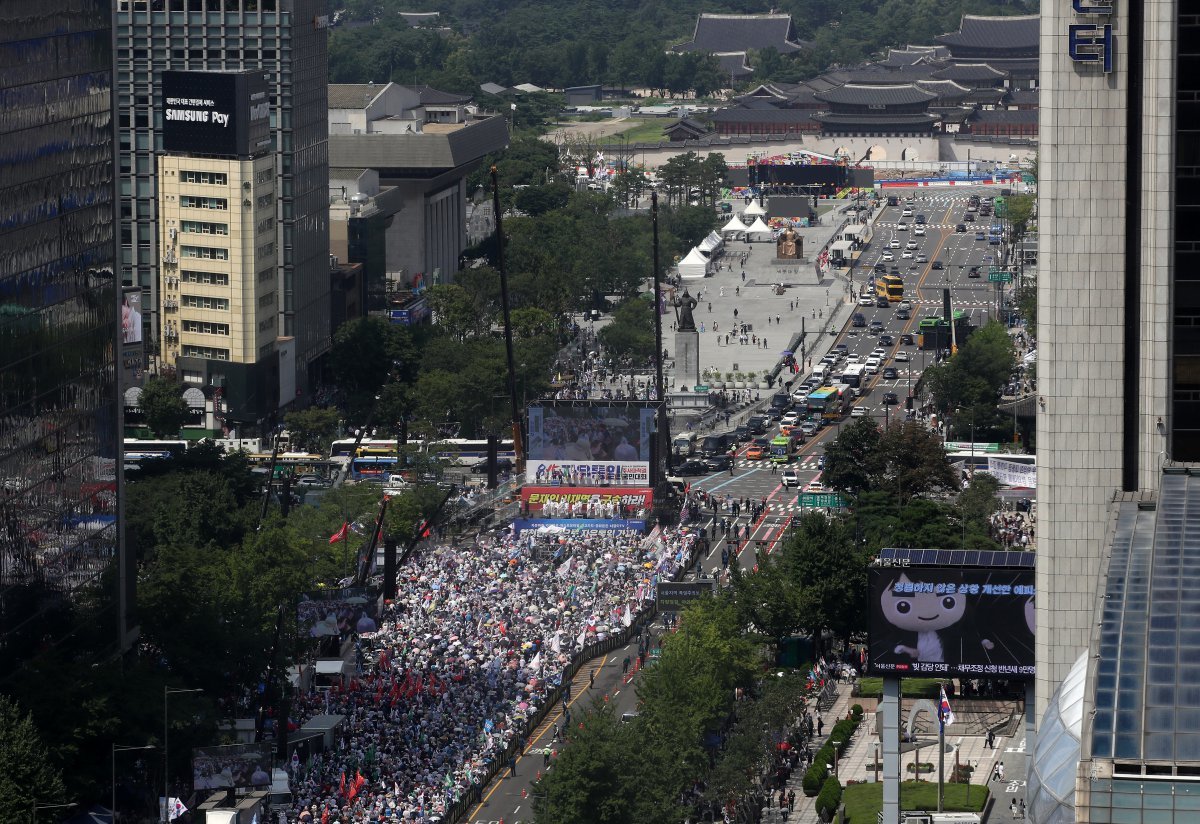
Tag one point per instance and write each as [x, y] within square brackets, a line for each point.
[37, 806]
[167, 693]
[116, 748]
[836, 745]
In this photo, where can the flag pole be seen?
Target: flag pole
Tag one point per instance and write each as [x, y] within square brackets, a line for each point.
[941, 751]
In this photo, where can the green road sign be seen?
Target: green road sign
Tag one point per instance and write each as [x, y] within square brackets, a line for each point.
[700, 387]
[829, 500]
[999, 276]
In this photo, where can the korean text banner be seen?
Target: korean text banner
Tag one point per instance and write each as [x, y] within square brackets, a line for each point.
[967, 622]
[588, 473]
[580, 526]
[1011, 473]
[538, 496]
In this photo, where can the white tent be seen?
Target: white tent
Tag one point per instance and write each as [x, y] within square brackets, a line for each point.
[734, 226]
[711, 244]
[694, 266]
[758, 230]
[754, 209]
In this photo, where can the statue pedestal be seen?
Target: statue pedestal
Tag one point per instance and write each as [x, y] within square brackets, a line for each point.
[795, 271]
[687, 358]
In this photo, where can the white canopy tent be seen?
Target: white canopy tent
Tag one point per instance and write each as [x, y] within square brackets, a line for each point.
[754, 210]
[711, 244]
[758, 230]
[694, 266]
[733, 227]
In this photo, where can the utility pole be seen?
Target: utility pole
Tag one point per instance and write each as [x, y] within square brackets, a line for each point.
[663, 441]
[518, 445]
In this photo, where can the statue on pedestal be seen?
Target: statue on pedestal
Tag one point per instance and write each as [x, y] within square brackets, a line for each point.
[686, 303]
[788, 246]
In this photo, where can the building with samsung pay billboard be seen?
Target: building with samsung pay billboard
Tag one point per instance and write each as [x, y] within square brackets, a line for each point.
[219, 297]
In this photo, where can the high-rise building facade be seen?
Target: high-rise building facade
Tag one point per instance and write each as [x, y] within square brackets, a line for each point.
[288, 41]
[60, 335]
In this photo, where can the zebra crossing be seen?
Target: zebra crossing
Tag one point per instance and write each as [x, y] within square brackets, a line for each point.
[908, 223]
[807, 464]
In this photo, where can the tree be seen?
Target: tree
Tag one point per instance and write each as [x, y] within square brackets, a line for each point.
[163, 407]
[590, 776]
[27, 775]
[852, 460]
[366, 353]
[629, 339]
[830, 574]
[914, 462]
[979, 501]
[537, 200]
[312, 429]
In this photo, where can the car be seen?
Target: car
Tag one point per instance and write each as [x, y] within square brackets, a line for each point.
[853, 357]
[879, 267]
[310, 480]
[891, 398]
[842, 349]
[960, 228]
[969, 218]
[974, 273]
[860, 412]
[718, 463]
[809, 427]
[876, 326]
[907, 212]
[906, 254]
[902, 356]
[858, 320]
[922, 257]
[887, 257]
[872, 366]
[893, 244]
[761, 441]
[502, 465]
[919, 231]
[937, 264]
[756, 453]
[905, 304]
[902, 226]
[972, 207]
[775, 414]
[789, 419]
[888, 340]
[890, 373]
[882, 302]
[903, 314]
[980, 236]
[920, 219]
[912, 244]
[906, 339]
[692, 468]
[789, 478]
[757, 424]
[741, 433]
[866, 299]
[821, 461]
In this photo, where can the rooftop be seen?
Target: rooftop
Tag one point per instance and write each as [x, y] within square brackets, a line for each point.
[718, 33]
[856, 94]
[969, 73]
[433, 97]
[733, 64]
[354, 95]
[995, 33]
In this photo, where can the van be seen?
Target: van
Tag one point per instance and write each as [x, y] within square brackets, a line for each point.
[859, 319]
[281, 793]
[684, 444]
[780, 401]
[714, 445]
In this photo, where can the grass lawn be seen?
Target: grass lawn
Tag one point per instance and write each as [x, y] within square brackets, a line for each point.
[642, 131]
[864, 801]
[913, 687]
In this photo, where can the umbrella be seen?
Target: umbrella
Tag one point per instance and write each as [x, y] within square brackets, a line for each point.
[787, 352]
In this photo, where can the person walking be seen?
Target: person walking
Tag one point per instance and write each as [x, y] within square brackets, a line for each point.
[1013, 807]
[791, 800]
[512, 764]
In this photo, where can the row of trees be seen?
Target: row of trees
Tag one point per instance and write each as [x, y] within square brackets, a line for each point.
[967, 386]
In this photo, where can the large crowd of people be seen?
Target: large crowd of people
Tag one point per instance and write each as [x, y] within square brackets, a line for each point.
[477, 638]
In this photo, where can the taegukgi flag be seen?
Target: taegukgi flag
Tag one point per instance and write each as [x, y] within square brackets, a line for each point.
[944, 711]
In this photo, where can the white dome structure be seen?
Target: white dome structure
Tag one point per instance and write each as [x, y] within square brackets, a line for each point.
[1055, 761]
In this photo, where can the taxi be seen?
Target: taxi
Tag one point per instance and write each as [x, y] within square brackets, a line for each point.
[756, 453]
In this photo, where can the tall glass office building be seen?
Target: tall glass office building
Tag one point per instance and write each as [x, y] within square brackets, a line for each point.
[287, 40]
[59, 302]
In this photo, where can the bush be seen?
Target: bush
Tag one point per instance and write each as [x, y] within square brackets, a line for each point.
[857, 712]
[812, 779]
[829, 798]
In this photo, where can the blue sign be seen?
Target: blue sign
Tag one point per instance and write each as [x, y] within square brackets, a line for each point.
[1091, 43]
[585, 526]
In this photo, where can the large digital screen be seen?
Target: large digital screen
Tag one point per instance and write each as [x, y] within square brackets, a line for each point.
[234, 766]
[216, 113]
[336, 612]
[590, 444]
[967, 622]
[584, 501]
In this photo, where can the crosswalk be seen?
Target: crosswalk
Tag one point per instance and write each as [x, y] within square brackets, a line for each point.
[808, 464]
[882, 224]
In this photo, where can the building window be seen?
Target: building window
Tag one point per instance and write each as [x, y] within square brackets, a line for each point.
[191, 376]
[203, 327]
[205, 178]
[205, 302]
[266, 300]
[265, 275]
[206, 278]
[266, 324]
[206, 352]
[193, 202]
[266, 225]
[201, 227]
[264, 201]
[204, 252]
[266, 250]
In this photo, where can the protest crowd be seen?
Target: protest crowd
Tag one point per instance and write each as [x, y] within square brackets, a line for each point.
[475, 641]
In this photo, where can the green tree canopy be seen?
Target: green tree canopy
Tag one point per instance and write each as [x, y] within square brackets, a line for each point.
[163, 407]
[629, 338]
[27, 774]
[312, 429]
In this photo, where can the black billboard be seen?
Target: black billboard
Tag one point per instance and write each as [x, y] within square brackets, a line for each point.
[966, 622]
[675, 596]
[591, 443]
[225, 114]
[231, 767]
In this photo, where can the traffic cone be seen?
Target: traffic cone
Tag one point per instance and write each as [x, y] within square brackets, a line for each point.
[523, 792]
[539, 776]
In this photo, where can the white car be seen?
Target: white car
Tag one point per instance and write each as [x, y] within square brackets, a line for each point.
[907, 254]
[789, 478]
[902, 356]
[912, 244]
[895, 244]
[904, 304]
[879, 352]
[902, 226]
[866, 300]
[790, 419]
[919, 231]
[853, 357]
[872, 365]
[859, 412]
[906, 213]
[887, 257]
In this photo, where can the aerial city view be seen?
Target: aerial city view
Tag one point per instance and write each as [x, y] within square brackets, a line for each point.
[547, 412]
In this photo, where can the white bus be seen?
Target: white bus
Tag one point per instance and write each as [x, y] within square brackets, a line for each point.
[852, 375]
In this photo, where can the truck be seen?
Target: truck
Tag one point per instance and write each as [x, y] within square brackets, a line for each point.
[783, 448]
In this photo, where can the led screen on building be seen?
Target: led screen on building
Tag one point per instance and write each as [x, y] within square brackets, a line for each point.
[590, 444]
[237, 765]
[223, 114]
[967, 622]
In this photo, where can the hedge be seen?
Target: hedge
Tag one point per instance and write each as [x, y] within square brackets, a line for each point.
[815, 777]
[829, 798]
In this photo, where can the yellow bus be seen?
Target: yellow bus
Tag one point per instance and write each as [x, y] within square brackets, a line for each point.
[890, 287]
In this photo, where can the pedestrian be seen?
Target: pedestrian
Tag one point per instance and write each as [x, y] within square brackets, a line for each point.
[777, 320]
[592, 679]
[1022, 808]
[1013, 806]
[743, 276]
[625, 666]
[735, 312]
[1000, 770]
[820, 726]
[791, 800]
[512, 764]
[545, 757]
[991, 740]
[710, 307]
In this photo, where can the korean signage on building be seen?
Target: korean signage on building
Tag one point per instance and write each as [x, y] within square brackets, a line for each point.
[1091, 39]
[536, 497]
[225, 114]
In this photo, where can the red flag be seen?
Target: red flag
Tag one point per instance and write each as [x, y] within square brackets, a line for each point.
[342, 788]
[341, 534]
[359, 781]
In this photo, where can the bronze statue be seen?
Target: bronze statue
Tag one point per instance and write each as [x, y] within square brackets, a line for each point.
[787, 247]
[685, 303]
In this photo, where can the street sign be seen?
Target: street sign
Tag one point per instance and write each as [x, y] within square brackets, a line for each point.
[827, 500]
[999, 276]
[700, 387]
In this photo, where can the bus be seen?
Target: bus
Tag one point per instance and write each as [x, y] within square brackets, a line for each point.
[890, 287]
[138, 450]
[783, 448]
[853, 374]
[342, 448]
[830, 402]
[470, 451]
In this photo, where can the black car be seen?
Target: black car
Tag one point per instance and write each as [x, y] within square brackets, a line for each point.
[692, 468]
[890, 372]
[859, 319]
[882, 302]
[764, 442]
[742, 433]
[502, 465]
[886, 340]
[937, 264]
[880, 267]
[890, 398]
[906, 339]
[757, 424]
[718, 463]
[974, 273]
[903, 314]
[969, 218]
[962, 227]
